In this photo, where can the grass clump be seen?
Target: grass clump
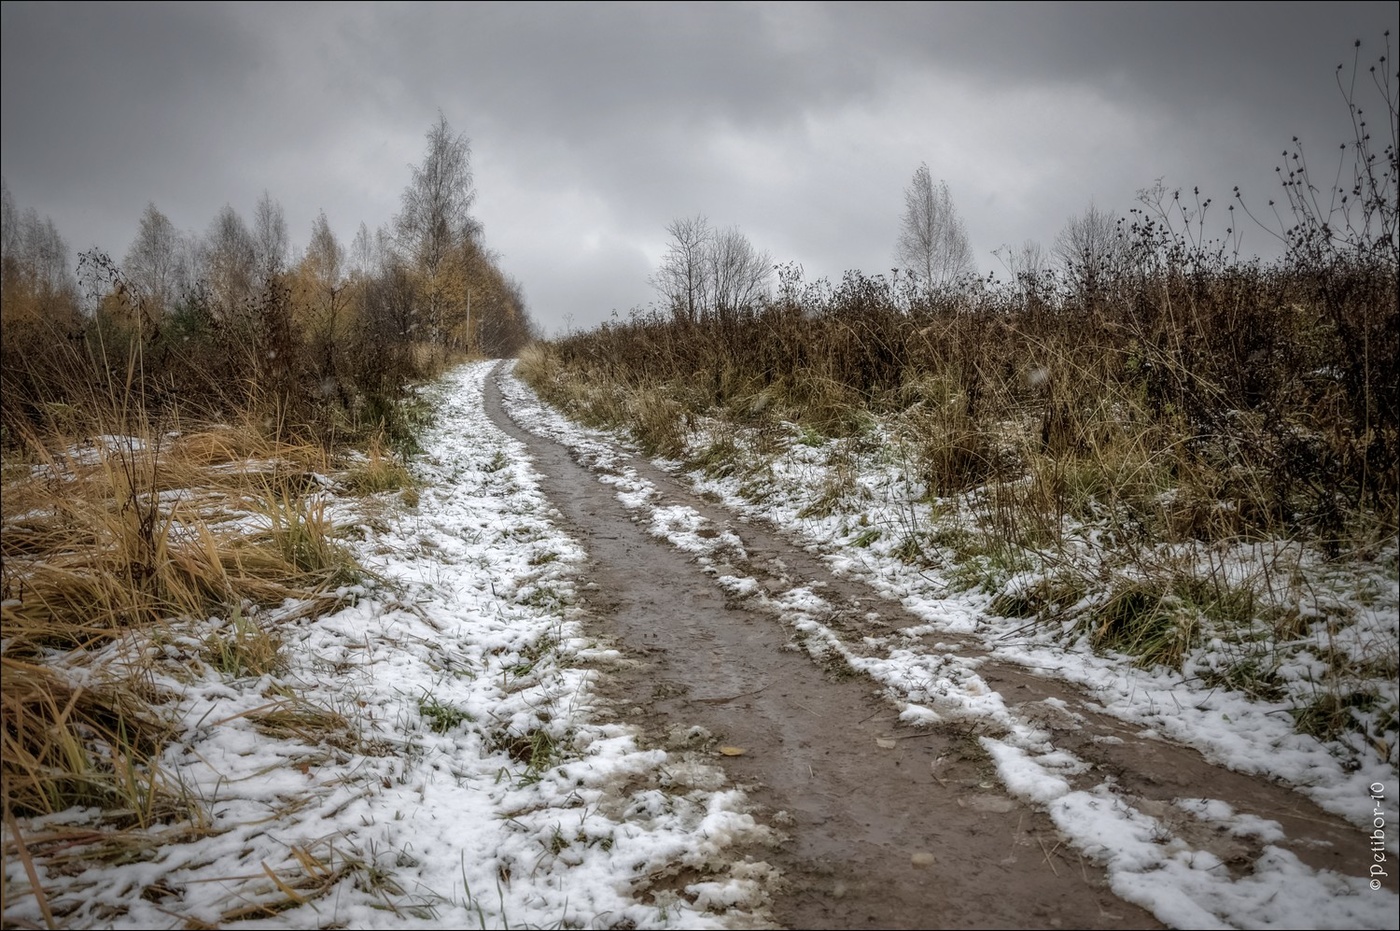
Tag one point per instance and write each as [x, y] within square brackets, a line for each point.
[380, 471]
[535, 749]
[68, 745]
[243, 648]
[441, 717]
[300, 531]
[1145, 621]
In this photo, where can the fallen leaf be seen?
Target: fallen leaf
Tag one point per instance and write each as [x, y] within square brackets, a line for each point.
[733, 751]
[886, 743]
[921, 860]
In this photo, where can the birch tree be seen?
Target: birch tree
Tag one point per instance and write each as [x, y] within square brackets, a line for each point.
[436, 223]
[933, 244]
[154, 263]
[270, 242]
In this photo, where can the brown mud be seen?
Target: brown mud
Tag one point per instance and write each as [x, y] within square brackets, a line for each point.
[885, 825]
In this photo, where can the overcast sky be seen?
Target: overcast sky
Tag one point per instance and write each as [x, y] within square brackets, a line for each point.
[593, 126]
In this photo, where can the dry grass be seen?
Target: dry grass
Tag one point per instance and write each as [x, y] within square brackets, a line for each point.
[67, 744]
[380, 470]
[1111, 447]
[126, 534]
[119, 546]
[1215, 387]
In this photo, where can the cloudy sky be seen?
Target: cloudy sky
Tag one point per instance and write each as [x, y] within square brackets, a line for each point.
[593, 126]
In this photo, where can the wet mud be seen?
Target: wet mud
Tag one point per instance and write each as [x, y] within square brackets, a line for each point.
[884, 825]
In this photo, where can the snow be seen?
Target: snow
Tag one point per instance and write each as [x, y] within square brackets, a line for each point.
[1147, 863]
[474, 784]
[477, 783]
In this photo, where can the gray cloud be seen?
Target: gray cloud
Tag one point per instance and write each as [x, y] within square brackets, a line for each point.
[594, 125]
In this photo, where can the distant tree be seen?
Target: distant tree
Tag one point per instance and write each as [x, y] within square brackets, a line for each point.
[436, 216]
[1029, 267]
[39, 314]
[154, 263]
[229, 263]
[499, 324]
[436, 223]
[270, 243]
[683, 278]
[709, 271]
[932, 244]
[369, 251]
[318, 289]
[32, 249]
[325, 258]
[34, 255]
[9, 221]
[47, 251]
[1092, 251]
[739, 273]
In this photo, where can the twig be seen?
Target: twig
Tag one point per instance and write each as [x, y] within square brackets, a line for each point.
[1049, 862]
[243, 714]
[29, 870]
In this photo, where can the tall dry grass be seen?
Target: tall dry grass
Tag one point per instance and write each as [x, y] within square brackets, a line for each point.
[117, 538]
[1114, 444]
[1229, 382]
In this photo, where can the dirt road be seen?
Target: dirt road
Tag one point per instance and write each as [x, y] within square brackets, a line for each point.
[887, 825]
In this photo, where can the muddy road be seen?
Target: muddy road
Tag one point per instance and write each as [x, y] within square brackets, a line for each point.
[885, 824]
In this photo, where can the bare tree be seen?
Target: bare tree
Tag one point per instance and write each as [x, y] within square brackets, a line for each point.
[154, 263]
[739, 273]
[932, 243]
[325, 257]
[436, 216]
[1092, 251]
[9, 221]
[1029, 268]
[270, 243]
[368, 251]
[32, 247]
[45, 252]
[1028, 258]
[230, 262]
[710, 271]
[683, 279]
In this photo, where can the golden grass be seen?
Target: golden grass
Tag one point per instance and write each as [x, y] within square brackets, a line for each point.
[116, 544]
[67, 744]
[1195, 406]
[380, 471]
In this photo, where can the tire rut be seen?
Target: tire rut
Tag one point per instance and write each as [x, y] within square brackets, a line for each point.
[886, 825]
[1147, 771]
[893, 791]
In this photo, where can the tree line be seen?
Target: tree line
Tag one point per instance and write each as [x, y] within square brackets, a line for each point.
[232, 319]
[711, 272]
[1272, 382]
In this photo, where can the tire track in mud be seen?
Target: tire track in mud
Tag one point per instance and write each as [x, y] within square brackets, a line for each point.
[887, 824]
[918, 834]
